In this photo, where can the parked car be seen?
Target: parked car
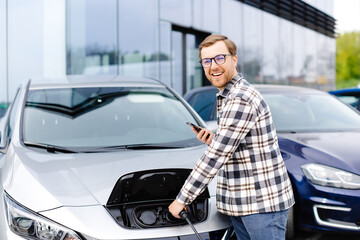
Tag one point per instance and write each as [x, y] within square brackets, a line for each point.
[2, 112]
[100, 159]
[350, 96]
[318, 137]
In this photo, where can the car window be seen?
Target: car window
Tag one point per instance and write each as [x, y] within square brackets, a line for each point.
[351, 100]
[107, 116]
[204, 104]
[311, 112]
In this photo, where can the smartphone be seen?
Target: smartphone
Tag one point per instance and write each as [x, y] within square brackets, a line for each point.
[197, 128]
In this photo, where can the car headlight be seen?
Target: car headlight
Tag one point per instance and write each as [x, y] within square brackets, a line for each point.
[331, 177]
[31, 225]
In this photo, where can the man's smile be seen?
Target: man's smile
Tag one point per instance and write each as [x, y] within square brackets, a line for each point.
[217, 74]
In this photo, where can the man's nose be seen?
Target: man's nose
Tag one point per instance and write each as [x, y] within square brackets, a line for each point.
[213, 63]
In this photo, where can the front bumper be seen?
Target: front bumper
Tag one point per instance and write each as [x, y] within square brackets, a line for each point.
[328, 209]
[329, 216]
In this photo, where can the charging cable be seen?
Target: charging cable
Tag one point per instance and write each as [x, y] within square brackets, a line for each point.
[183, 215]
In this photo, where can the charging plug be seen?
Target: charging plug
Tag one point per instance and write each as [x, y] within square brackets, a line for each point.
[183, 215]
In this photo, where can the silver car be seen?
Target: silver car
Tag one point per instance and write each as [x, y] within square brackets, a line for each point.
[100, 159]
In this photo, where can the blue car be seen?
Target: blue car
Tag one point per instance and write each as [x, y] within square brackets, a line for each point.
[350, 96]
[319, 137]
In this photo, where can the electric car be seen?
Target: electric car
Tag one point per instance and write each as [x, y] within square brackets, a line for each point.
[100, 158]
[319, 138]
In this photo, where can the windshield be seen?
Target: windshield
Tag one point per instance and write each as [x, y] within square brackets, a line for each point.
[107, 116]
[310, 113]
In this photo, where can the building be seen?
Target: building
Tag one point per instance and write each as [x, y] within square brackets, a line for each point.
[279, 41]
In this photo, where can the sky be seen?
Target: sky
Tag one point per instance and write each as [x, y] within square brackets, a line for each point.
[347, 14]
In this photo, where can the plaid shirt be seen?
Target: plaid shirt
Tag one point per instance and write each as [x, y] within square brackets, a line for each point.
[252, 177]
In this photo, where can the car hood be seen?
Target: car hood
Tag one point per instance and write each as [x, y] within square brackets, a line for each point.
[83, 179]
[337, 149]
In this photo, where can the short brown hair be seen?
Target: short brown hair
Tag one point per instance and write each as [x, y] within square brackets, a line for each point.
[212, 39]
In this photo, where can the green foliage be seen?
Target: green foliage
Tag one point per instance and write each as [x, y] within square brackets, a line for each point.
[348, 83]
[348, 59]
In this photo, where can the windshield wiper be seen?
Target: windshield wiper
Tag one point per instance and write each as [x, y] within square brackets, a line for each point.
[143, 146]
[50, 148]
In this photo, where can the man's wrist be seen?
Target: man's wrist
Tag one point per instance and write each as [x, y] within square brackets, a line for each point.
[181, 198]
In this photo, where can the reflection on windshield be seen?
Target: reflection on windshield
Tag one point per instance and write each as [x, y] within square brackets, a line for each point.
[311, 113]
[107, 116]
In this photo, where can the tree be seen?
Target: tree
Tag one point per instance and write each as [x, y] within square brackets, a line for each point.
[348, 56]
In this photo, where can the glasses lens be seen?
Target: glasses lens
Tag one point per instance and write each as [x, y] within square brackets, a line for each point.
[206, 62]
[219, 59]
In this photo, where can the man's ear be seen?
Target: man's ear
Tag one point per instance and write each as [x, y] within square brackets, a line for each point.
[235, 60]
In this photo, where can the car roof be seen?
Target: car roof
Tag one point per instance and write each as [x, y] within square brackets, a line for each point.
[93, 81]
[345, 90]
[263, 88]
[268, 88]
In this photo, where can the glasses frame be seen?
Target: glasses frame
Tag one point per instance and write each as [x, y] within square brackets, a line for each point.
[214, 58]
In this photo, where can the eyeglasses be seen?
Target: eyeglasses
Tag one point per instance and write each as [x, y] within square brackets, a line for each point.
[219, 60]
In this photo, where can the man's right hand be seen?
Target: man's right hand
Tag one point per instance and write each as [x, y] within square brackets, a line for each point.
[204, 135]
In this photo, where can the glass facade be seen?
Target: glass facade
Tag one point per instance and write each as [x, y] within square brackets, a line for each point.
[138, 38]
[91, 47]
[157, 39]
[271, 49]
[251, 47]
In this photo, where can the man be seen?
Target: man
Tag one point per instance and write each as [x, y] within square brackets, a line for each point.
[253, 186]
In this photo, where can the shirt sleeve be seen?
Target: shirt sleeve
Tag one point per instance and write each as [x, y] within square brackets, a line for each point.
[237, 118]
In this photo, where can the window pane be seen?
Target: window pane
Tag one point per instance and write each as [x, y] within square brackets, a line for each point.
[286, 51]
[177, 63]
[138, 34]
[311, 62]
[230, 22]
[193, 69]
[165, 53]
[299, 55]
[202, 9]
[91, 47]
[325, 62]
[252, 56]
[175, 11]
[272, 54]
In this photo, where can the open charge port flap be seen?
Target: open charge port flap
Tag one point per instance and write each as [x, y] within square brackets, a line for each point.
[141, 199]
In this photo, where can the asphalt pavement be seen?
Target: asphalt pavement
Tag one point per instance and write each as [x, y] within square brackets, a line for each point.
[300, 235]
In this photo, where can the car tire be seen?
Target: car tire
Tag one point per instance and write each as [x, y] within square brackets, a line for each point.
[290, 225]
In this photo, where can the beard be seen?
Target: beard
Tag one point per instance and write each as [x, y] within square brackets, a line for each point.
[220, 82]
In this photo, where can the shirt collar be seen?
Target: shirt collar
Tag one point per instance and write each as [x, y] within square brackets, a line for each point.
[228, 86]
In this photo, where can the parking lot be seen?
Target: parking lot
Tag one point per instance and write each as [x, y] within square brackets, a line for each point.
[322, 236]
